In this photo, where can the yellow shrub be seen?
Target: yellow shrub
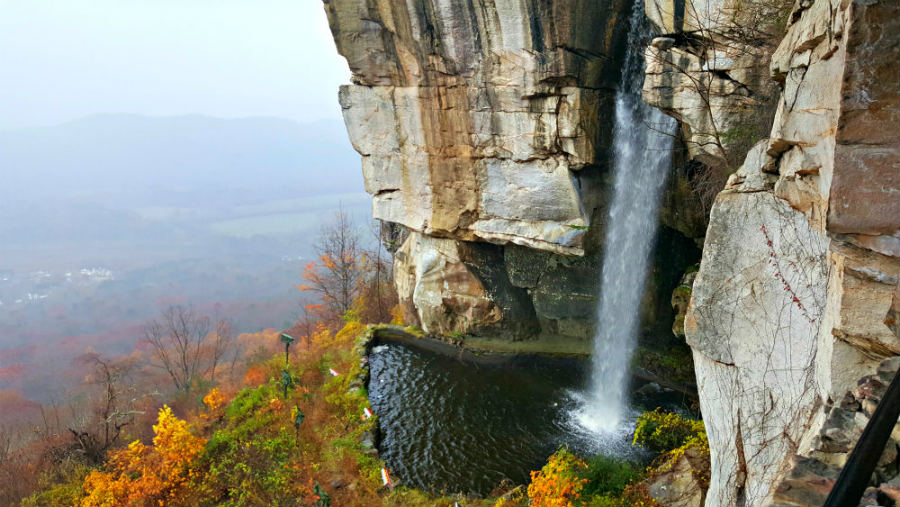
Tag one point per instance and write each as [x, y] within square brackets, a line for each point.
[214, 400]
[558, 483]
[662, 431]
[397, 315]
[142, 475]
[674, 437]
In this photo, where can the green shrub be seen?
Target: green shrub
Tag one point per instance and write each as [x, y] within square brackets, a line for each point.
[662, 431]
[607, 476]
[605, 500]
[65, 490]
[673, 363]
[247, 458]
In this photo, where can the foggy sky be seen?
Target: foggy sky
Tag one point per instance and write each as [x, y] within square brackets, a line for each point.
[65, 59]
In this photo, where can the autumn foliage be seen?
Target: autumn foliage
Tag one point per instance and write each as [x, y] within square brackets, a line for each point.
[558, 483]
[348, 277]
[141, 475]
[245, 446]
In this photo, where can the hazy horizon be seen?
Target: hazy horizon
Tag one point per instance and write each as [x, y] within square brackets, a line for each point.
[108, 219]
[156, 152]
[67, 59]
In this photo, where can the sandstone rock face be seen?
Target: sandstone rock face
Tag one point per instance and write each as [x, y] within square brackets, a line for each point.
[711, 73]
[473, 118]
[433, 277]
[484, 129]
[450, 287]
[797, 296]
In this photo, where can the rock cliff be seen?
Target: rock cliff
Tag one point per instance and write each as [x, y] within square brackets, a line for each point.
[484, 128]
[797, 295]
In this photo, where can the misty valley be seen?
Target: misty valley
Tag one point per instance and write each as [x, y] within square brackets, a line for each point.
[450, 253]
[107, 220]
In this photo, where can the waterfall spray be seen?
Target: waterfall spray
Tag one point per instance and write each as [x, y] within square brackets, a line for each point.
[642, 143]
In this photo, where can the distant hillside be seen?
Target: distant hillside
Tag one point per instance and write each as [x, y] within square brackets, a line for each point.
[177, 161]
[215, 213]
[120, 176]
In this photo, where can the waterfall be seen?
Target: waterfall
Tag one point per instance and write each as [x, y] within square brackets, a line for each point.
[642, 142]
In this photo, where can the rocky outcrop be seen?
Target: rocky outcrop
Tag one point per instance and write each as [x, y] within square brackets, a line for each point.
[442, 294]
[681, 483]
[474, 119]
[797, 296]
[815, 469]
[484, 129]
[709, 70]
[681, 300]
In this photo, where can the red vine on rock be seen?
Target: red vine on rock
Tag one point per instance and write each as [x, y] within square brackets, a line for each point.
[779, 276]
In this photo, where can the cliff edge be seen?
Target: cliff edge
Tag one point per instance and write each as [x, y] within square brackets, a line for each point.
[796, 300]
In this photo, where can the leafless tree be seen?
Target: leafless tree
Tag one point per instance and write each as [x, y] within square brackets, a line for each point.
[111, 412]
[16, 478]
[221, 344]
[734, 110]
[182, 345]
[306, 324]
[377, 280]
[336, 274]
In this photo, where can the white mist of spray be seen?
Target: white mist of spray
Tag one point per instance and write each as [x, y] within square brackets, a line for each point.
[642, 144]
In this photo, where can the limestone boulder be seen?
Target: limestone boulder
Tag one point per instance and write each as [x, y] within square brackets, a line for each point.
[437, 288]
[680, 484]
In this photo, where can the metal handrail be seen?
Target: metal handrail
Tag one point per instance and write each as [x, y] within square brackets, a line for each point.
[855, 476]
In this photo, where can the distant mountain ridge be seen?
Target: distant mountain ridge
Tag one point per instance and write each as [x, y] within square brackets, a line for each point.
[156, 179]
[139, 160]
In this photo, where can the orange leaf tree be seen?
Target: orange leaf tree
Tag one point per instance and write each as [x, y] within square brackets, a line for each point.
[558, 483]
[336, 274]
[141, 475]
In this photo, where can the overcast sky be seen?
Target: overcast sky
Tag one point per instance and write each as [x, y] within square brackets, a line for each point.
[64, 59]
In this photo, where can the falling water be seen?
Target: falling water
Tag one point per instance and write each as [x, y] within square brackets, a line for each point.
[642, 142]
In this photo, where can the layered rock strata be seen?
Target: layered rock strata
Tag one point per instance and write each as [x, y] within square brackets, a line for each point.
[484, 129]
[797, 295]
[474, 118]
[816, 468]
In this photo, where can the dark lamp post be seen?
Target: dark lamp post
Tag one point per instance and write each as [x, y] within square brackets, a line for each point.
[287, 340]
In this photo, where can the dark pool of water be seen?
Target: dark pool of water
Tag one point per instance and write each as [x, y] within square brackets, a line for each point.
[461, 426]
